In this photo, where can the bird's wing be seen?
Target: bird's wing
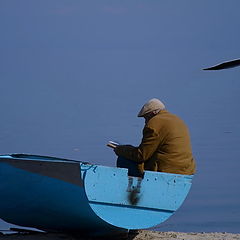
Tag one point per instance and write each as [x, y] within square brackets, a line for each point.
[225, 65]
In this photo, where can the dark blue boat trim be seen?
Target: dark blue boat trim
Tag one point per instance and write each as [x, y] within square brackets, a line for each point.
[131, 206]
[40, 157]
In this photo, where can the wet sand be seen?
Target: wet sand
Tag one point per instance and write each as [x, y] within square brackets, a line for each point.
[143, 235]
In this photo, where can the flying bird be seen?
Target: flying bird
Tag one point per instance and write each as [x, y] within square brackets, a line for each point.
[225, 65]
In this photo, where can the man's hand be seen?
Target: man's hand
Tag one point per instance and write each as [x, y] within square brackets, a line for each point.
[121, 150]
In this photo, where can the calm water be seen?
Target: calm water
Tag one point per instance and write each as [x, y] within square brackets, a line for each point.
[74, 76]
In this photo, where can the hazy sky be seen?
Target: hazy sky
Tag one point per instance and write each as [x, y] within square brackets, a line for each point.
[75, 73]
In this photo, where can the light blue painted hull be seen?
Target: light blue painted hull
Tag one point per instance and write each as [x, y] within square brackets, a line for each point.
[63, 195]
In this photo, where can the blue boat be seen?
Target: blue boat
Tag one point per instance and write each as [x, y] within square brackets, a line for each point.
[54, 194]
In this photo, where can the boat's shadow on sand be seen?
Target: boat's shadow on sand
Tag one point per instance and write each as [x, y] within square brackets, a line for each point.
[60, 236]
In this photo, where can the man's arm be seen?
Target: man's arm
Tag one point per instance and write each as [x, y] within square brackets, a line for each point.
[144, 151]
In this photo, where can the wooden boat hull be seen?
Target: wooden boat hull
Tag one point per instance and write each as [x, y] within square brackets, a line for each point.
[54, 194]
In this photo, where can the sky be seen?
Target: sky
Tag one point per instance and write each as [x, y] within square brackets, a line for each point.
[74, 74]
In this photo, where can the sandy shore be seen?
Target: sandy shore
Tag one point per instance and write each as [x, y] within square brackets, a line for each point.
[143, 235]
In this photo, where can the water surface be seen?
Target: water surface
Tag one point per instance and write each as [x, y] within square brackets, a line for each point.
[74, 75]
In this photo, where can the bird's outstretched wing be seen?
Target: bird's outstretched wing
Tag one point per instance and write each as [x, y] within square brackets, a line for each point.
[225, 65]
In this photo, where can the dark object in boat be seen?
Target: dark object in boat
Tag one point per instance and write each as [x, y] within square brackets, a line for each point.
[225, 65]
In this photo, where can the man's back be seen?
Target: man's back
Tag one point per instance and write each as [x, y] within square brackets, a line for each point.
[173, 153]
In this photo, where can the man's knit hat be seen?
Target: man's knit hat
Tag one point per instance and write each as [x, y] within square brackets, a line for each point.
[151, 105]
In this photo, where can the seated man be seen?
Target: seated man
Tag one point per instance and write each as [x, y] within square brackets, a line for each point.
[165, 145]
